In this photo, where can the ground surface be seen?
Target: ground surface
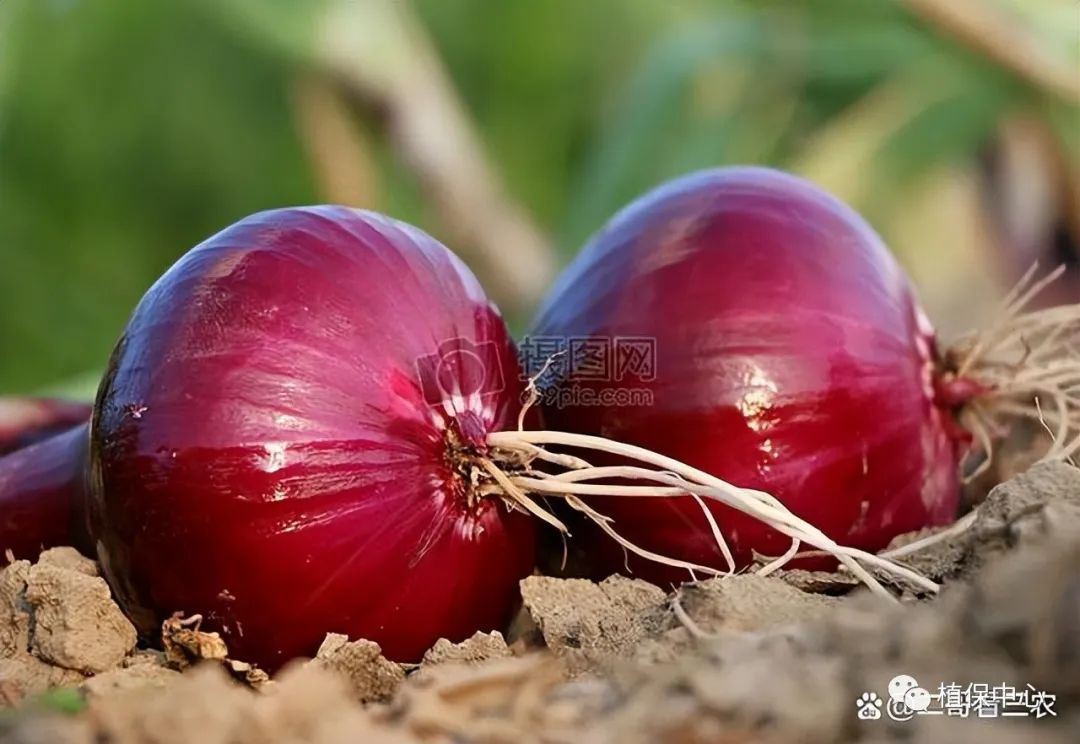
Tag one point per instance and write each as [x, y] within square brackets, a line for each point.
[742, 659]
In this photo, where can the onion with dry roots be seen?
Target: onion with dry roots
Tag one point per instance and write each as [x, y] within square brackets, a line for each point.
[790, 357]
[316, 422]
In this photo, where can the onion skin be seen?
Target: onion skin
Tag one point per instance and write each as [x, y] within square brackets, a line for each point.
[264, 453]
[24, 421]
[42, 492]
[791, 356]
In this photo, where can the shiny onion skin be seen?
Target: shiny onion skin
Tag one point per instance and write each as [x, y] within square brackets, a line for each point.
[790, 356]
[271, 446]
[43, 446]
[42, 493]
[24, 421]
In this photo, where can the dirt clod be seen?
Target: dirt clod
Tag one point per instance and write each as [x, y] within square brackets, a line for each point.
[124, 679]
[943, 559]
[76, 624]
[592, 625]
[14, 612]
[819, 582]
[70, 559]
[24, 676]
[749, 603]
[371, 677]
[1043, 502]
[480, 647]
[204, 705]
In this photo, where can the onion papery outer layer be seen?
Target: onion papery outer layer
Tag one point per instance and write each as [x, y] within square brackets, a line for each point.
[42, 493]
[271, 446]
[789, 355]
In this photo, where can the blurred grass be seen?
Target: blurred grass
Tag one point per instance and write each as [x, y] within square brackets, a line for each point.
[129, 131]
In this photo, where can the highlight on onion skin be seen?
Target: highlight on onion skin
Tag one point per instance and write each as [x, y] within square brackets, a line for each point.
[791, 356]
[24, 421]
[42, 495]
[278, 442]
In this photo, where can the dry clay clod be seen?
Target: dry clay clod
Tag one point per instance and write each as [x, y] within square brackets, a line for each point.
[57, 623]
[14, 612]
[1041, 502]
[25, 676]
[371, 677]
[751, 603]
[307, 705]
[592, 626]
[128, 678]
[1044, 501]
[76, 623]
[478, 648]
[70, 559]
[589, 625]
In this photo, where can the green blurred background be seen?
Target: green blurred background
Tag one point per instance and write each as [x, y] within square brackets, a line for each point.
[511, 130]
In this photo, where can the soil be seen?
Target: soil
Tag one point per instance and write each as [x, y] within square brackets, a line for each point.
[783, 658]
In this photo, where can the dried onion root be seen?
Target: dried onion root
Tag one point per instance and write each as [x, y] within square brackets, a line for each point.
[1008, 371]
[1026, 365]
[512, 451]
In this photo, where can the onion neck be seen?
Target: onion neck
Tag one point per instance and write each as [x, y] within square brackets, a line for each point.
[1024, 369]
[464, 456]
[953, 393]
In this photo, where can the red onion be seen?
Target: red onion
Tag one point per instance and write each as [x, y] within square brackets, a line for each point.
[312, 422]
[42, 495]
[24, 421]
[281, 441]
[778, 346]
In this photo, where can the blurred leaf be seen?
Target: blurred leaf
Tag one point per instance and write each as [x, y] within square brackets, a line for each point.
[1065, 120]
[624, 161]
[840, 154]
[539, 78]
[8, 48]
[954, 125]
[285, 27]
